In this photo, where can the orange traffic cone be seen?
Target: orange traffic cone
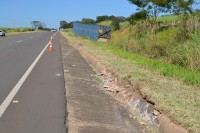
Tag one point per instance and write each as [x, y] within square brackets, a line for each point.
[51, 38]
[51, 47]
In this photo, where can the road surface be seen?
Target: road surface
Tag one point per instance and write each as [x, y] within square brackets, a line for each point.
[39, 104]
[33, 96]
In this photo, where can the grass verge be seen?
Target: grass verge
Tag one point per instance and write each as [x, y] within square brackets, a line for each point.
[163, 83]
[10, 30]
[17, 31]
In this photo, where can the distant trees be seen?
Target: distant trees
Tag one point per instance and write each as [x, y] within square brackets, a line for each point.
[44, 29]
[115, 21]
[154, 7]
[101, 18]
[88, 21]
[64, 24]
[112, 18]
[38, 25]
[141, 15]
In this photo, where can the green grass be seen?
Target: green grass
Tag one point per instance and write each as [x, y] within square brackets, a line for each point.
[178, 103]
[9, 30]
[105, 23]
[108, 23]
[171, 45]
[168, 19]
[124, 24]
[173, 88]
[68, 30]
[191, 77]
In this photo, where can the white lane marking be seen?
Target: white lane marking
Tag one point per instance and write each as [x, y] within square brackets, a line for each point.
[15, 101]
[31, 37]
[58, 74]
[14, 91]
[20, 41]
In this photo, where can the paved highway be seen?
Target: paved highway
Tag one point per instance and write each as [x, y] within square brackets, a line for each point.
[39, 104]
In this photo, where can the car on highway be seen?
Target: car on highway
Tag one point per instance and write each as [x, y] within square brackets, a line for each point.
[53, 30]
[2, 33]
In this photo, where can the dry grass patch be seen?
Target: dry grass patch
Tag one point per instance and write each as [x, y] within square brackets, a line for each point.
[175, 98]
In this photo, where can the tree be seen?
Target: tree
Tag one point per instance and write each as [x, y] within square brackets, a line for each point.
[70, 25]
[64, 24]
[101, 18]
[115, 25]
[141, 15]
[155, 7]
[104, 18]
[38, 24]
[112, 18]
[182, 6]
[88, 21]
[121, 18]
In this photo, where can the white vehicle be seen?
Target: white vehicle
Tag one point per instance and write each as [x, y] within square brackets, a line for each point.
[2, 33]
[53, 30]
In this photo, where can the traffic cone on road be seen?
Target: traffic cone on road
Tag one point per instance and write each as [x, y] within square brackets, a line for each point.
[50, 44]
[50, 47]
[51, 38]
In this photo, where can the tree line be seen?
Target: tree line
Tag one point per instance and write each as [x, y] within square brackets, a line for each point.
[146, 10]
[151, 9]
[64, 24]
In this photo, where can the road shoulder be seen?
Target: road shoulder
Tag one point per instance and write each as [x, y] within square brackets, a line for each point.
[89, 108]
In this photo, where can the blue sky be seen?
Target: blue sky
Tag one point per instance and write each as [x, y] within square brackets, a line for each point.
[19, 13]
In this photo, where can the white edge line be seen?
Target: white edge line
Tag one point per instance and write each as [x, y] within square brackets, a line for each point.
[20, 41]
[14, 91]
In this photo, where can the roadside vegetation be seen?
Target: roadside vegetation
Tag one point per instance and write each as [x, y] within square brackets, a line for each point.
[9, 30]
[160, 52]
[171, 95]
[36, 25]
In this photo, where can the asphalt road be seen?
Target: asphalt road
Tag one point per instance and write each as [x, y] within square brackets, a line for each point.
[39, 105]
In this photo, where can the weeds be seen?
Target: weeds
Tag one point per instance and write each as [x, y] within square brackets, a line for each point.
[168, 19]
[176, 99]
[9, 30]
[172, 45]
[172, 53]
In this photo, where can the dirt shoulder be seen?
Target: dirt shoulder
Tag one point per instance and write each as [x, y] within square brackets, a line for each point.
[172, 97]
[90, 110]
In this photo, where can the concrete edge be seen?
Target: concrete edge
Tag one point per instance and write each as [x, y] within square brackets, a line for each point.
[158, 119]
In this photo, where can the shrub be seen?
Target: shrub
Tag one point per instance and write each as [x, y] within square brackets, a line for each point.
[101, 18]
[162, 42]
[115, 25]
[88, 21]
[142, 15]
[188, 54]
[172, 44]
